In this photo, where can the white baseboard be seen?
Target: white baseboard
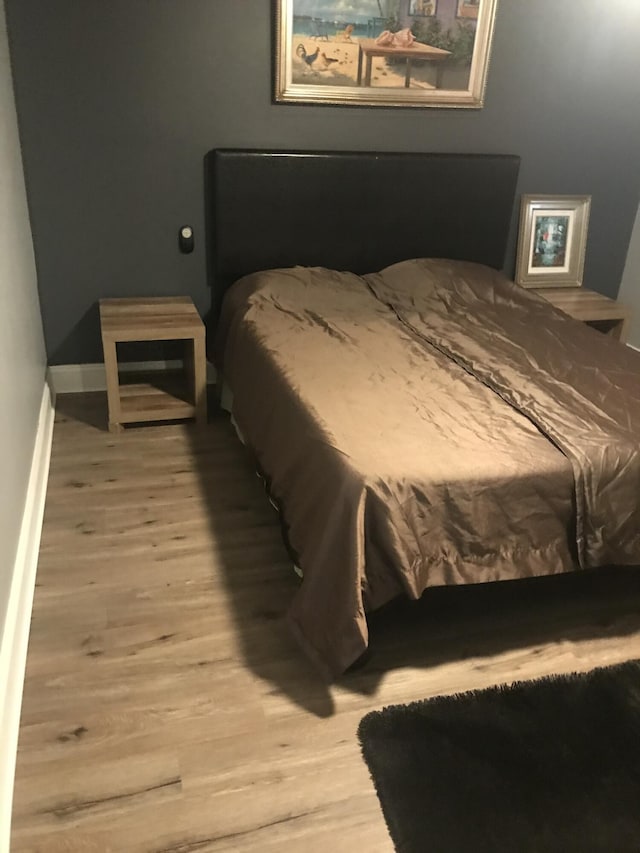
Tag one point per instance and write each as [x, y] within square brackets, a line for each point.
[75, 378]
[15, 637]
[637, 349]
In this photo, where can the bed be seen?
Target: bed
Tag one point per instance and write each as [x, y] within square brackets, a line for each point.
[420, 420]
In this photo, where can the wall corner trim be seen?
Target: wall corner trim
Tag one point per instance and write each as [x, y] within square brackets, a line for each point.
[15, 636]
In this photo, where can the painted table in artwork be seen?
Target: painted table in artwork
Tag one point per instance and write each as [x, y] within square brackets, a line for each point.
[417, 51]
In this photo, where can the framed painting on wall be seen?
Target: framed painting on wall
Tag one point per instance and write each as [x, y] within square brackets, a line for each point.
[468, 8]
[552, 240]
[415, 53]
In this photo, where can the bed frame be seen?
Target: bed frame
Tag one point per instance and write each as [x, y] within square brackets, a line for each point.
[354, 211]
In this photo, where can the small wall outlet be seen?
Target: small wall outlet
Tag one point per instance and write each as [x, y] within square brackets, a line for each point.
[185, 239]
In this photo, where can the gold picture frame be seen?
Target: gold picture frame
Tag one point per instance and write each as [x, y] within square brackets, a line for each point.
[552, 240]
[391, 53]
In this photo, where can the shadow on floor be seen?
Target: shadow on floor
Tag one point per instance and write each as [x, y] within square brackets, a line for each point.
[457, 623]
[254, 563]
[87, 408]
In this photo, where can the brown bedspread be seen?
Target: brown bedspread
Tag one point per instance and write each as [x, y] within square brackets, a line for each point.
[396, 469]
[582, 391]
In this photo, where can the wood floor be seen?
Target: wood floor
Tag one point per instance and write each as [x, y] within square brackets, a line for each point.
[167, 709]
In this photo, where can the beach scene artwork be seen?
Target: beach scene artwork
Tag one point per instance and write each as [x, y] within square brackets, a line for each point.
[414, 52]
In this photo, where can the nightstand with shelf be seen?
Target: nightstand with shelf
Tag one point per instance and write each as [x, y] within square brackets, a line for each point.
[596, 310]
[162, 396]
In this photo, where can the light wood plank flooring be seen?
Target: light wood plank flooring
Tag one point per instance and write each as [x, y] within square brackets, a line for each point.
[166, 707]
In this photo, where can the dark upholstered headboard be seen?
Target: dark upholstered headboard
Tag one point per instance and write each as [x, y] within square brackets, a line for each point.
[353, 211]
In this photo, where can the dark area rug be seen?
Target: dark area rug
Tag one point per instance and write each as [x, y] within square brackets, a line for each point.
[544, 766]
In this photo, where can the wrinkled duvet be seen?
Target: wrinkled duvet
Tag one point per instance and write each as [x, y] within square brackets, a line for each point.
[430, 424]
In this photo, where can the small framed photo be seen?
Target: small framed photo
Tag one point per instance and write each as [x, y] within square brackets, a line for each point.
[552, 240]
[423, 8]
[468, 8]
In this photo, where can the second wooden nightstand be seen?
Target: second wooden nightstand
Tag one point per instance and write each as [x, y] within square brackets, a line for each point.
[592, 308]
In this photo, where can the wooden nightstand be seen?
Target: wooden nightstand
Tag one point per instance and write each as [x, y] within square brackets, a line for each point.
[161, 396]
[596, 310]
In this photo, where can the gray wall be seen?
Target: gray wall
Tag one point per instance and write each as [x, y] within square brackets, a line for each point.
[119, 101]
[630, 287]
[22, 357]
